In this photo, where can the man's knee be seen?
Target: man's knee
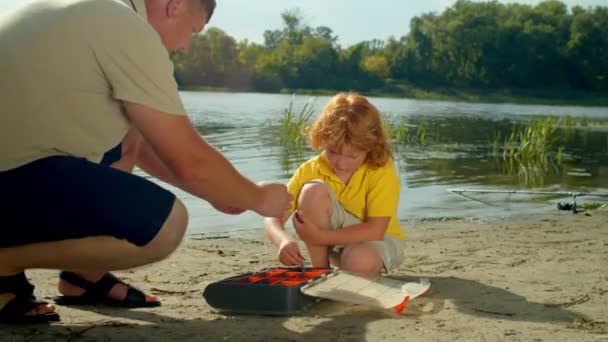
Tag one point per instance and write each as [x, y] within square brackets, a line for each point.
[170, 234]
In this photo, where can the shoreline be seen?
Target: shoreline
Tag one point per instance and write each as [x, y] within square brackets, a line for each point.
[490, 220]
[481, 96]
[533, 278]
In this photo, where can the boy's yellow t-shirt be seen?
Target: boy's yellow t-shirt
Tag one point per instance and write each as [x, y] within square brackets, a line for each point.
[370, 192]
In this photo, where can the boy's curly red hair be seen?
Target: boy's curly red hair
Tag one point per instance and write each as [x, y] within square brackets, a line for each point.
[350, 119]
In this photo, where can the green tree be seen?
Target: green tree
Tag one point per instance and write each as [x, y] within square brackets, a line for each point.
[377, 66]
[470, 44]
[587, 49]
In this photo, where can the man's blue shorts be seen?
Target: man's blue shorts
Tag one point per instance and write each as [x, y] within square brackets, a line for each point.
[58, 198]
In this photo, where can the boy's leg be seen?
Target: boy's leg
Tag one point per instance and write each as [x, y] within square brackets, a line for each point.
[319, 203]
[315, 201]
[362, 258]
[368, 258]
[373, 257]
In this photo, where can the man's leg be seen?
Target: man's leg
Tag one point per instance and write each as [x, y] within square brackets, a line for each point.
[128, 154]
[95, 253]
[92, 254]
[64, 245]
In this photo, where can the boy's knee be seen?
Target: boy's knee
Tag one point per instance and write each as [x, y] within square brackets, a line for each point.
[170, 234]
[313, 192]
[362, 259]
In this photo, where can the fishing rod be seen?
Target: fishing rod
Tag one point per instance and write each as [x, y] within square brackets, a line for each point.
[560, 206]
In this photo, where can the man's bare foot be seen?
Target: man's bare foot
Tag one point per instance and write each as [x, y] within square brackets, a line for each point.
[41, 309]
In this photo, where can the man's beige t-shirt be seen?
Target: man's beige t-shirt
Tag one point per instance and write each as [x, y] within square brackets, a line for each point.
[66, 66]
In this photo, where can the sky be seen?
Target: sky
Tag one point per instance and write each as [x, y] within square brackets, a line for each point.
[352, 21]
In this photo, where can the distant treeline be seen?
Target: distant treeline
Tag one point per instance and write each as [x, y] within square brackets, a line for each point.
[470, 45]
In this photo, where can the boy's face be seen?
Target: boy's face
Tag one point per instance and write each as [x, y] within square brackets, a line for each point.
[346, 160]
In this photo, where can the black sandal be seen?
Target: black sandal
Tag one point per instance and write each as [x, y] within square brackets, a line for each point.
[17, 310]
[97, 293]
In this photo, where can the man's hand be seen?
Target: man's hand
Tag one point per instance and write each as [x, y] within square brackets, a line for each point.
[289, 253]
[275, 200]
[307, 231]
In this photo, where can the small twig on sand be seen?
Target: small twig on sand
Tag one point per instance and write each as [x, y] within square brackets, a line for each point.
[154, 289]
[574, 301]
[495, 312]
[78, 333]
[210, 237]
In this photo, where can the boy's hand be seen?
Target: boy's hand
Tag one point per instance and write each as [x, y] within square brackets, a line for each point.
[289, 253]
[307, 231]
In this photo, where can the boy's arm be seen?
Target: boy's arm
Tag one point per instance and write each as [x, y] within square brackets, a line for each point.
[288, 251]
[381, 202]
[274, 227]
[373, 229]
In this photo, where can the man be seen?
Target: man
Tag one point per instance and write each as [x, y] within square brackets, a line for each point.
[88, 92]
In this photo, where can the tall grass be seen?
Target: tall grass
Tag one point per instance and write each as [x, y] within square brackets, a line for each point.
[532, 143]
[292, 123]
[535, 142]
[530, 151]
[289, 131]
[403, 133]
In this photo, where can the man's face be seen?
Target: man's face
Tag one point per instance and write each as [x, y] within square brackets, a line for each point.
[181, 23]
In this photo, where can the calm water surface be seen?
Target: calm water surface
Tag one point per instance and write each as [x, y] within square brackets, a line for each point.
[455, 154]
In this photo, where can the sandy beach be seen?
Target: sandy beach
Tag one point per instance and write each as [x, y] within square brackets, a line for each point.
[539, 278]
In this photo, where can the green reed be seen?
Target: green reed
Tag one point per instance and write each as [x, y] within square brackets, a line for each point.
[495, 143]
[292, 123]
[532, 144]
[531, 151]
[398, 128]
[289, 132]
[403, 133]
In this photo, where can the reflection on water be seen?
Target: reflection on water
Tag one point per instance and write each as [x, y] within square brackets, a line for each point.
[457, 152]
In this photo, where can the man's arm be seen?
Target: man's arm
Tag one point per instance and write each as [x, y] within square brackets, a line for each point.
[196, 167]
[128, 153]
[148, 161]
